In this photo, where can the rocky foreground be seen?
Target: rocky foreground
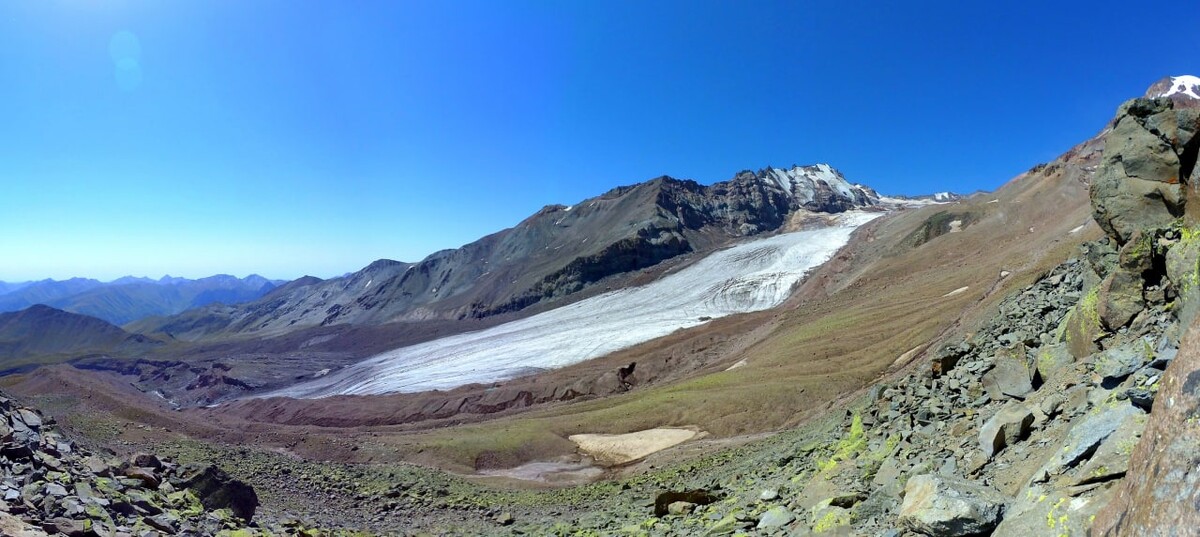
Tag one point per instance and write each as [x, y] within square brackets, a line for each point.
[52, 486]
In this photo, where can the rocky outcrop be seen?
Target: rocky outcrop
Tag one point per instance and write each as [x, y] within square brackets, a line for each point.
[1161, 492]
[64, 489]
[1149, 160]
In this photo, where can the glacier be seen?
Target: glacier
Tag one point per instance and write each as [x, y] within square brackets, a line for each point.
[752, 276]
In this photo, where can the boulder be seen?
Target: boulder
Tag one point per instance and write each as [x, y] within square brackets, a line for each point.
[663, 501]
[66, 526]
[949, 507]
[1183, 271]
[217, 490]
[1054, 362]
[1081, 327]
[1119, 362]
[1011, 377]
[680, 508]
[775, 517]
[30, 418]
[1120, 294]
[1139, 181]
[1009, 425]
[144, 475]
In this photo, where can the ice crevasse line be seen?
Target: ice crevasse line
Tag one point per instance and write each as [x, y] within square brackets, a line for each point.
[752, 276]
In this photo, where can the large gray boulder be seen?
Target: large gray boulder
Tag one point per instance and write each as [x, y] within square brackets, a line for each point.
[1008, 426]
[1149, 157]
[217, 490]
[948, 507]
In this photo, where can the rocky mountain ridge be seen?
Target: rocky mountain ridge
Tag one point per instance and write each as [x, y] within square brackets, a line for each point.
[558, 251]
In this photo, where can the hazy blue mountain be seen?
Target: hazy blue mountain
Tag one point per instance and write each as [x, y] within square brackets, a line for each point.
[8, 287]
[130, 298]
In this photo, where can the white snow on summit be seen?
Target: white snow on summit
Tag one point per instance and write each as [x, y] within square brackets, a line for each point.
[752, 276]
[1187, 85]
[799, 181]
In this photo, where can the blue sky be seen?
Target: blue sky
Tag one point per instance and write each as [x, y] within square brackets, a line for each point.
[291, 138]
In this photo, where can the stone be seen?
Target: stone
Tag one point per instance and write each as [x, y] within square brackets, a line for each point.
[949, 507]
[1038, 511]
[505, 519]
[775, 517]
[1005, 428]
[164, 522]
[1052, 404]
[1119, 362]
[97, 466]
[144, 475]
[1141, 398]
[30, 418]
[1055, 362]
[54, 489]
[66, 526]
[1120, 296]
[1111, 459]
[829, 519]
[768, 495]
[1086, 435]
[680, 508]
[697, 496]
[1011, 377]
[146, 460]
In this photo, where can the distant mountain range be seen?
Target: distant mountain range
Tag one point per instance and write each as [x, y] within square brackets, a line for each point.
[130, 298]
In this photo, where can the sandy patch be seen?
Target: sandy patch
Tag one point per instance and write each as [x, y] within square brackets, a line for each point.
[623, 448]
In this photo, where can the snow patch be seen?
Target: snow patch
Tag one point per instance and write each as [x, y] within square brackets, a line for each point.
[1184, 85]
[958, 291]
[1077, 229]
[752, 276]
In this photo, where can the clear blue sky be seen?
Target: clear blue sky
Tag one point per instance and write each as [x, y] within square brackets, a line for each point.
[291, 138]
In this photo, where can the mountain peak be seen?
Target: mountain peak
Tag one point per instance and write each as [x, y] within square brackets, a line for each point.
[1183, 87]
[819, 187]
